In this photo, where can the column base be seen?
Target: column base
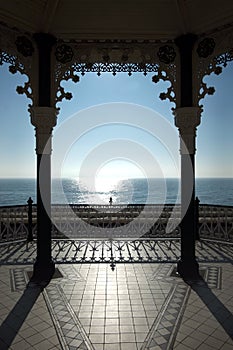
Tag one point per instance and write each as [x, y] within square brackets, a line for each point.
[42, 273]
[188, 270]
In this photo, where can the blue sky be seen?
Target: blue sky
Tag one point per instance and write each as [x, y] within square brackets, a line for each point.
[214, 135]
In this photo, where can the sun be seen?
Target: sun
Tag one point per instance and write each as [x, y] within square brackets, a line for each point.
[110, 173]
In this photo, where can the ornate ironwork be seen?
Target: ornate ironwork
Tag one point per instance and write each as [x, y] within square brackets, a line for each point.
[223, 59]
[24, 46]
[206, 47]
[200, 88]
[114, 68]
[64, 53]
[166, 54]
[8, 58]
[215, 222]
[168, 75]
[211, 55]
[112, 56]
[14, 67]
[99, 68]
[14, 223]
[67, 251]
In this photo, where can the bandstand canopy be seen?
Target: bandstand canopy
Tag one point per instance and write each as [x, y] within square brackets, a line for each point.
[92, 19]
[180, 41]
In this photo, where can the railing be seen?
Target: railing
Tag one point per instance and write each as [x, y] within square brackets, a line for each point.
[116, 221]
[14, 223]
[216, 222]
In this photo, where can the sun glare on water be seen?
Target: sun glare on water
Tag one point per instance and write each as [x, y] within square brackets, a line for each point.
[111, 173]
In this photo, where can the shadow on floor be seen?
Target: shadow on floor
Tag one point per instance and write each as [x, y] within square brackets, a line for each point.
[215, 306]
[13, 322]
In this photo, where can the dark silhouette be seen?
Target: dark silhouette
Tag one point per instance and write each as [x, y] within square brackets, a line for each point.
[215, 306]
[12, 324]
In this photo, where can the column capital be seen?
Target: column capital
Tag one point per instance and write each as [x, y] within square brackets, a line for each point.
[44, 119]
[187, 119]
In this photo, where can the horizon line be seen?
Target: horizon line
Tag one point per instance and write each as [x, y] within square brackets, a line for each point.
[126, 178]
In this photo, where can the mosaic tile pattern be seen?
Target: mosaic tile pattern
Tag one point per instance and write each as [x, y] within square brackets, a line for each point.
[18, 279]
[213, 277]
[116, 308]
[138, 307]
[163, 331]
[71, 332]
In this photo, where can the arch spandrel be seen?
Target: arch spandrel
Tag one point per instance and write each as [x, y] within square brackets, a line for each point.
[210, 55]
[19, 51]
[72, 59]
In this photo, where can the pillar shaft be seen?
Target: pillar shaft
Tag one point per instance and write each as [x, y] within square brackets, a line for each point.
[187, 118]
[43, 211]
[43, 117]
[187, 209]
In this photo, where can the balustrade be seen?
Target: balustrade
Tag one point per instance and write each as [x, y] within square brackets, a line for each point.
[128, 221]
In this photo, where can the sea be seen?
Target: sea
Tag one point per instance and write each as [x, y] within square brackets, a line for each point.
[217, 191]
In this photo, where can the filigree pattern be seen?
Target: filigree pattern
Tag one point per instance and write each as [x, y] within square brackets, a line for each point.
[26, 89]
[206, 47]
[166, 54]
[8, 58]
[61, 93]
[18, 51]
[64, 53]
[172, 91]
[114, 68]
[24, 46]
[224, 58]
[113, 56]
[210, 56]
[201, 87]
[214, 222]
[99, 68]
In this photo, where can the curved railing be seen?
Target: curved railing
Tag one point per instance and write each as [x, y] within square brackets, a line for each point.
[14, 223]
[216, 222]
[126, 221]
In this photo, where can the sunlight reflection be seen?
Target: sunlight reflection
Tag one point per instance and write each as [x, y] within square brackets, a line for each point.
[111, 174]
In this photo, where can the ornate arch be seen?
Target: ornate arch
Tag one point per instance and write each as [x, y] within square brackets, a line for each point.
[210, 55]
[71, 59]
[19, 51]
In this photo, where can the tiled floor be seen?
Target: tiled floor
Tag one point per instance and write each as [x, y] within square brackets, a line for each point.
[136, 306]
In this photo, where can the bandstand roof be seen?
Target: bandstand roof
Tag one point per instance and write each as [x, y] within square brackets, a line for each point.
[96, 19]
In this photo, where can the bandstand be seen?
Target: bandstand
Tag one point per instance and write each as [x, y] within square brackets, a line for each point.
[54, 41]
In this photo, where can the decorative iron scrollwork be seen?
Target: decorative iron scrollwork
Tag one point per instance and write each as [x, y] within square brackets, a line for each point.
[224, 58]
[206, 47]
[26, 89]
[14, 67]
[166, 54]
[172, 93]
[24, 46]
[64, 53]
[114, 68]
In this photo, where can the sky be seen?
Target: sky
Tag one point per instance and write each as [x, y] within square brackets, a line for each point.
[114, 126]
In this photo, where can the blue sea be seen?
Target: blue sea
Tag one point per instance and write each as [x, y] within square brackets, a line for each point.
[217, 191]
